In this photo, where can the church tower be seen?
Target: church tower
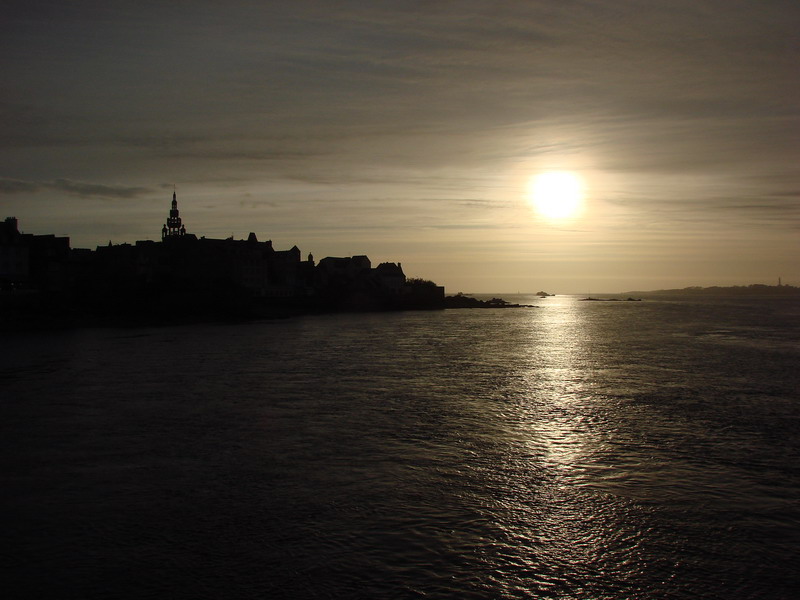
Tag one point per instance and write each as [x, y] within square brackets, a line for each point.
[173, 226]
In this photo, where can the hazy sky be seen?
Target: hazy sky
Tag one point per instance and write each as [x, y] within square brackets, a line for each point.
[408, 131]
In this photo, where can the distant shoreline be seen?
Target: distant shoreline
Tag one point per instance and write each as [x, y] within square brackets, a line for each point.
[754, 290]
[720, 291]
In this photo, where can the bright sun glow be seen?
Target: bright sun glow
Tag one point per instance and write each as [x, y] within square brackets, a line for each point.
[557, 194]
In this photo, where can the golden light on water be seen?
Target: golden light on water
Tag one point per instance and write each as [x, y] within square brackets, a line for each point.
[556, 194]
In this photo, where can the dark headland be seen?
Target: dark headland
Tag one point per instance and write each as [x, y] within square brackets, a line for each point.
[465, 301]
[756, 290]
[736, 291]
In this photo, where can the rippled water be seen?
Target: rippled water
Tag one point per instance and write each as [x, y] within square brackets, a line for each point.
[577, 450]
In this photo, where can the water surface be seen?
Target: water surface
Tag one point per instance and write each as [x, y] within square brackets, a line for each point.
[575, 450]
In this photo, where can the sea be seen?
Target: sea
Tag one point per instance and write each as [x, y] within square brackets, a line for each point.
[571, 449]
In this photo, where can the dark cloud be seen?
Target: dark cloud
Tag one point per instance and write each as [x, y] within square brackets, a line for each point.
[795, 194]
[73, 188]
[250, 203]
[16, 186]
[96, 190]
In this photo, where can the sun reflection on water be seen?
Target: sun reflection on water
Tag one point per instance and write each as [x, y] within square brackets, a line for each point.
[566, 525]
[556, 382]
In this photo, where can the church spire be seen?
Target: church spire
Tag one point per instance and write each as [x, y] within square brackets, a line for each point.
[173, 227]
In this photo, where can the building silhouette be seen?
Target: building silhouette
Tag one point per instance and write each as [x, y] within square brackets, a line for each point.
[32, 261]
[199, 275]
[173, 226]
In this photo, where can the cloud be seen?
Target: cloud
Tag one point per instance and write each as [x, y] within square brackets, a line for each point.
[16, 186]
[96, 190]
[73, 188]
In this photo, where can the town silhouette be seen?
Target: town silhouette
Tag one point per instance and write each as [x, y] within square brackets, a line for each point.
[184, 276]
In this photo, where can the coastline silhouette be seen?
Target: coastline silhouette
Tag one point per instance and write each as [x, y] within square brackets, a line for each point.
[186, 277]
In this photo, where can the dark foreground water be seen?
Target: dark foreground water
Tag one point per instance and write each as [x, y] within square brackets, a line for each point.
[578, 450]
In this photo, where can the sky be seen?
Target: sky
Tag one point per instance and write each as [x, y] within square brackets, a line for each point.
[410, 131]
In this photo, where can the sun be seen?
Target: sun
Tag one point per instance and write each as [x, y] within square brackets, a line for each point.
[556, 194]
